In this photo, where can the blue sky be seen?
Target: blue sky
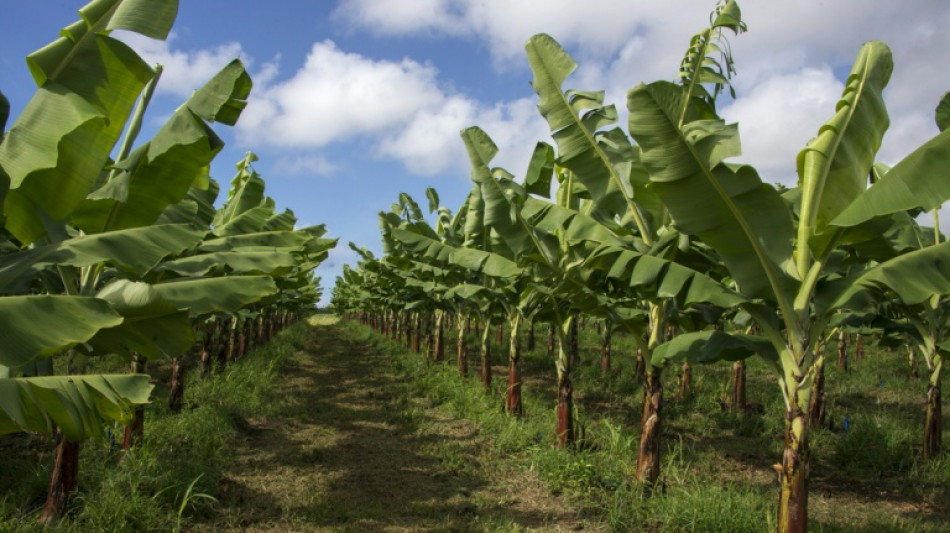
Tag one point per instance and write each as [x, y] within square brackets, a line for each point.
[358, 100]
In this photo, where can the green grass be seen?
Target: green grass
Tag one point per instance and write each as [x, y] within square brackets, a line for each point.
[158, 485]
[717, 465]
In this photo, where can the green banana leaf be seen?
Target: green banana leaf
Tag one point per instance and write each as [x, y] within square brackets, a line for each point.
[160, 173]
[135, 250]
[39, 326]
[727, 206]
[88, 83]
[273, 263]
[152, 327]
[216, 295]
[911, 278]
[574, 118]
[472, 259]
[834, 166]
[246, 193]
[80, 406]
[917, 181]
[710, 346]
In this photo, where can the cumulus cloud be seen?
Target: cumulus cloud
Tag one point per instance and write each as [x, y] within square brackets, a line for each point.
[337, 95]
[312, 164]
[402, 107]
[777, 118]
[184, 72]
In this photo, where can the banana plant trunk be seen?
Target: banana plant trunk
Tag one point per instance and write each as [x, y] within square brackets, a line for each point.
[842, 351]
[551, 340]
[439, 349]
[486, 355]
[513, 404]
[933, 423]
[135, 430]
[648, 457]
[176, 388]
[685, 388]
[416, 332]
[859, 347]
[565, 433]
[793, 474]
[461, 352]
[63, 479]
[738, 401]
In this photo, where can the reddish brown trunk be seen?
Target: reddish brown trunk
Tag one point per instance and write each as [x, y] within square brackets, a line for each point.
[859, 348]
[500, 335]
[242, 341]
[462, 354]
[685, 388]
[176, 389]
[605, 351]
[738, 400]
[63, 479]
[932, 423]
[793, 499]
[513, 406]
[842, 351]
[530, 340]
[439, 350]
[398, 328]
[486, 359]
[417, 332]
[648, 458]
[564, 432]
[135, 430]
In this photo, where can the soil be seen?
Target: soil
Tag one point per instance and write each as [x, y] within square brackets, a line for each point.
[349, 450]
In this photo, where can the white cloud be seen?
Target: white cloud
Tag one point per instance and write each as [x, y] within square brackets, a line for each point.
[184, 72]
[777, 118]
[304, 165]
[337, 95]
[401, 107]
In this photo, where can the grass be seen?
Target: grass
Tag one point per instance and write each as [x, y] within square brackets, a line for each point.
[717, 467]
[366, 435]
[170, 478]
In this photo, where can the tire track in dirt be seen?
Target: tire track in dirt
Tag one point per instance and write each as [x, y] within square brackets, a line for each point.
[350, 451]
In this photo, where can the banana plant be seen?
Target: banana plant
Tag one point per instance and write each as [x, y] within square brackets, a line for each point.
[778, 265]
[604, 169]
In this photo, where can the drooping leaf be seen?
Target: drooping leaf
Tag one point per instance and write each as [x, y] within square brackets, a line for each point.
[917, 181]
[710, 346]
[216, 295]
[911, 278]
[80, 406]
[135, 250]
[39, 326]
[152, 326]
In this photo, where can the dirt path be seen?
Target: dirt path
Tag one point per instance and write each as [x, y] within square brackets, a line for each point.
[349, 451]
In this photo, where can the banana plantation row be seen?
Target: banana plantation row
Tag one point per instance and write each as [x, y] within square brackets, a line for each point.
[108, 247]
[698, 258]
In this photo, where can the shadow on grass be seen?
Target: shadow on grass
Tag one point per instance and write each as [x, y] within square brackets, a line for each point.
[352, 450]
